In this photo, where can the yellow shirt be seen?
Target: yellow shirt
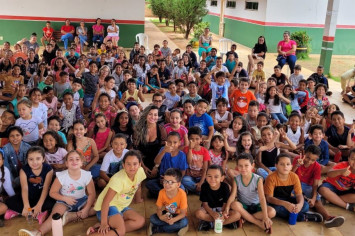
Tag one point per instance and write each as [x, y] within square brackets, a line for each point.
[259, 75]
[9, 80]
[124, 188]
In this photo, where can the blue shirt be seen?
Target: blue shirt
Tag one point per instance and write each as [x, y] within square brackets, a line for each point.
[203, 122]
[179, 161]
[13, 160]
[213, 63]
[324, 156]
[230, 65]
[63, 137]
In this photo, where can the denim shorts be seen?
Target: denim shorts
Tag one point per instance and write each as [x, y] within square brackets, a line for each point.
[80, 203]
[335, 190]
[307, 191]
[112, 210]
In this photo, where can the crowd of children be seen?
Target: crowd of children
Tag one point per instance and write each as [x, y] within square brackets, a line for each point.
[76, 140]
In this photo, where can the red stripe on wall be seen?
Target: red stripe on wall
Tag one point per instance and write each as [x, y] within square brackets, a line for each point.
[279, 24]
[42, 18]
[328, 38]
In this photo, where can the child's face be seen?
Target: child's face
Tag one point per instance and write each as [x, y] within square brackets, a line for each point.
[127, 76]
[35, 160]
[259, 67]
[219, 62]
[50, 94]
[74, 161]
[158, 101]
[243, 86]
[331, 109]
[118, 70]
[201, 108]
[294, 122]
[36, 97]
[175, 118]
[172, 88]
[189, 109]
[76, 87]
[195, 138]
[180, 63]
[79, 130]
[48, 80]
[214, 178]
[309, 159]
[287, 90]
[192, 89]
[64, 78]
[100, 122]
[310, 84]
[165, 43]
[272, 92]
[221, 107]
[131, 165]
[68, 100]
[237, 124]
[24, 111]
[174, 184]
[351, 160]
[320, 91]
[104, 102]
[271, 83]
[179, 87]
[218, 144]
[124, 119]
[262, 88]
[302, 86]
[174, 142]
[320, 71]
[134, 111]
[54, 125]
[338, 121]
[277, 71]
[267, 135]
[15, 137]
[247, 142]
[244, 167]
[93, 68]
[7, 119]
[110, 84]
[253, 111]
[203, 65]
[118, 145]
[49, 142]
[221, 80]
[284, 166]
[16, 70]
[317, 135]
[261, 121]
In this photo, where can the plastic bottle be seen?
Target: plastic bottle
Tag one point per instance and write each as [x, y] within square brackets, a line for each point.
[57, 225]
[30, 216]
[218, 225]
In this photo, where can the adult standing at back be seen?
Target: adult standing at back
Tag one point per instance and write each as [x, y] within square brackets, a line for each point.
[287, 52]
[82, 33]
[98, 32]
[67, 31]
[112, 33]
[205, 43]
[257, 54]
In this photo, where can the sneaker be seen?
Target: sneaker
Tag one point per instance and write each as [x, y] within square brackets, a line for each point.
[334, 221]
[42, 216]
[150, 229]
[233, 225]
[313, 216]
[204, 226]
[183, 231]
[9, 214]
[25, 232]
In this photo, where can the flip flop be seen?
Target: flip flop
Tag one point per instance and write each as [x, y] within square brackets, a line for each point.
[92, 230]
[268, 230]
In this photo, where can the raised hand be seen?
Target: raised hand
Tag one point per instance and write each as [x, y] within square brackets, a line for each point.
[301, 159]
[347, 171]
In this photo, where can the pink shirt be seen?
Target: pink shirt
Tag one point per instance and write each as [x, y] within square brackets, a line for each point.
[98, 28]
[285, 47]
[182, 131]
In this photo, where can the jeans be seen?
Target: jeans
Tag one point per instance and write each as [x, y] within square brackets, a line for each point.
[98, 37]
[88, 98]
[307, 191]
[282, 212]
[279, 117]
[83, 39]
[165, 227]
[154, 186]
[65, 38]
[324, 80]
[95, 170]
[263, 173]
[190, 182]
[291, 60]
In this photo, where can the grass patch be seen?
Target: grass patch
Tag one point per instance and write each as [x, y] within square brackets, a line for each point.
[335, 78]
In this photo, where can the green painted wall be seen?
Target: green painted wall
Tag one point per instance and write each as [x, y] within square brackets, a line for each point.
[214, 23]
[247, 34]
[15, 30]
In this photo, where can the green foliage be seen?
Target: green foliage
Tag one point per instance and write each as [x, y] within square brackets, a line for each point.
[303, 41]
[184, 13]
[199, 29]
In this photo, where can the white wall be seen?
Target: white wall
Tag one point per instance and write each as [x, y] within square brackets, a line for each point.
[87, 9]
[214, 9]
[346, 14]
[240, 11]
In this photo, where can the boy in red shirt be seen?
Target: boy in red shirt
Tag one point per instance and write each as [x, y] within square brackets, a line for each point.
[47, 33]
[309, 172]
[339, 186]
[241, 97]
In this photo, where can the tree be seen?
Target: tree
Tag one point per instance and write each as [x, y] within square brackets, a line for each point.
[190, 12]
[157, 7]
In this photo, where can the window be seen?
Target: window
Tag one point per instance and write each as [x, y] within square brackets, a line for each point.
[213, 3]
[231, 4]
[251, 6]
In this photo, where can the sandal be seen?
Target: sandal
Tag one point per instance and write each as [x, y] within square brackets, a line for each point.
[92, 230]
[268, 230]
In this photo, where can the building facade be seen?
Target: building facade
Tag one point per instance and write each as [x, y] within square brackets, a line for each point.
[245, 20]
[19, 19]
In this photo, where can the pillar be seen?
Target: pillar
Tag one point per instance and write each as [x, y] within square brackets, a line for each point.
[221, 19]
[329, 34]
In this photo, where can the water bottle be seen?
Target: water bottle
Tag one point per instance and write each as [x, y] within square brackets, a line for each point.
[30, 216]
[57, 225]
[218, 225]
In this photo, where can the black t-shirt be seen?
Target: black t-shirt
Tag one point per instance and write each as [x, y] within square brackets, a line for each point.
[281, 79]
[230, 52]
[32, 65]
[214, 198]
[336, 139]
[48, 56]
[164, 75]
[258, 48]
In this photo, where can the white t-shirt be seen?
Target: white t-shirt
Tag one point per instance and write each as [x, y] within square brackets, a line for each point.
[29, 128]
[219, 91]
[274, 108]
[223, 68]
[111, 163]
[41, 112]
[57, 157]
[112, 34]
[171, 100]
[74, 188]
[7, 185]
[112, 93]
